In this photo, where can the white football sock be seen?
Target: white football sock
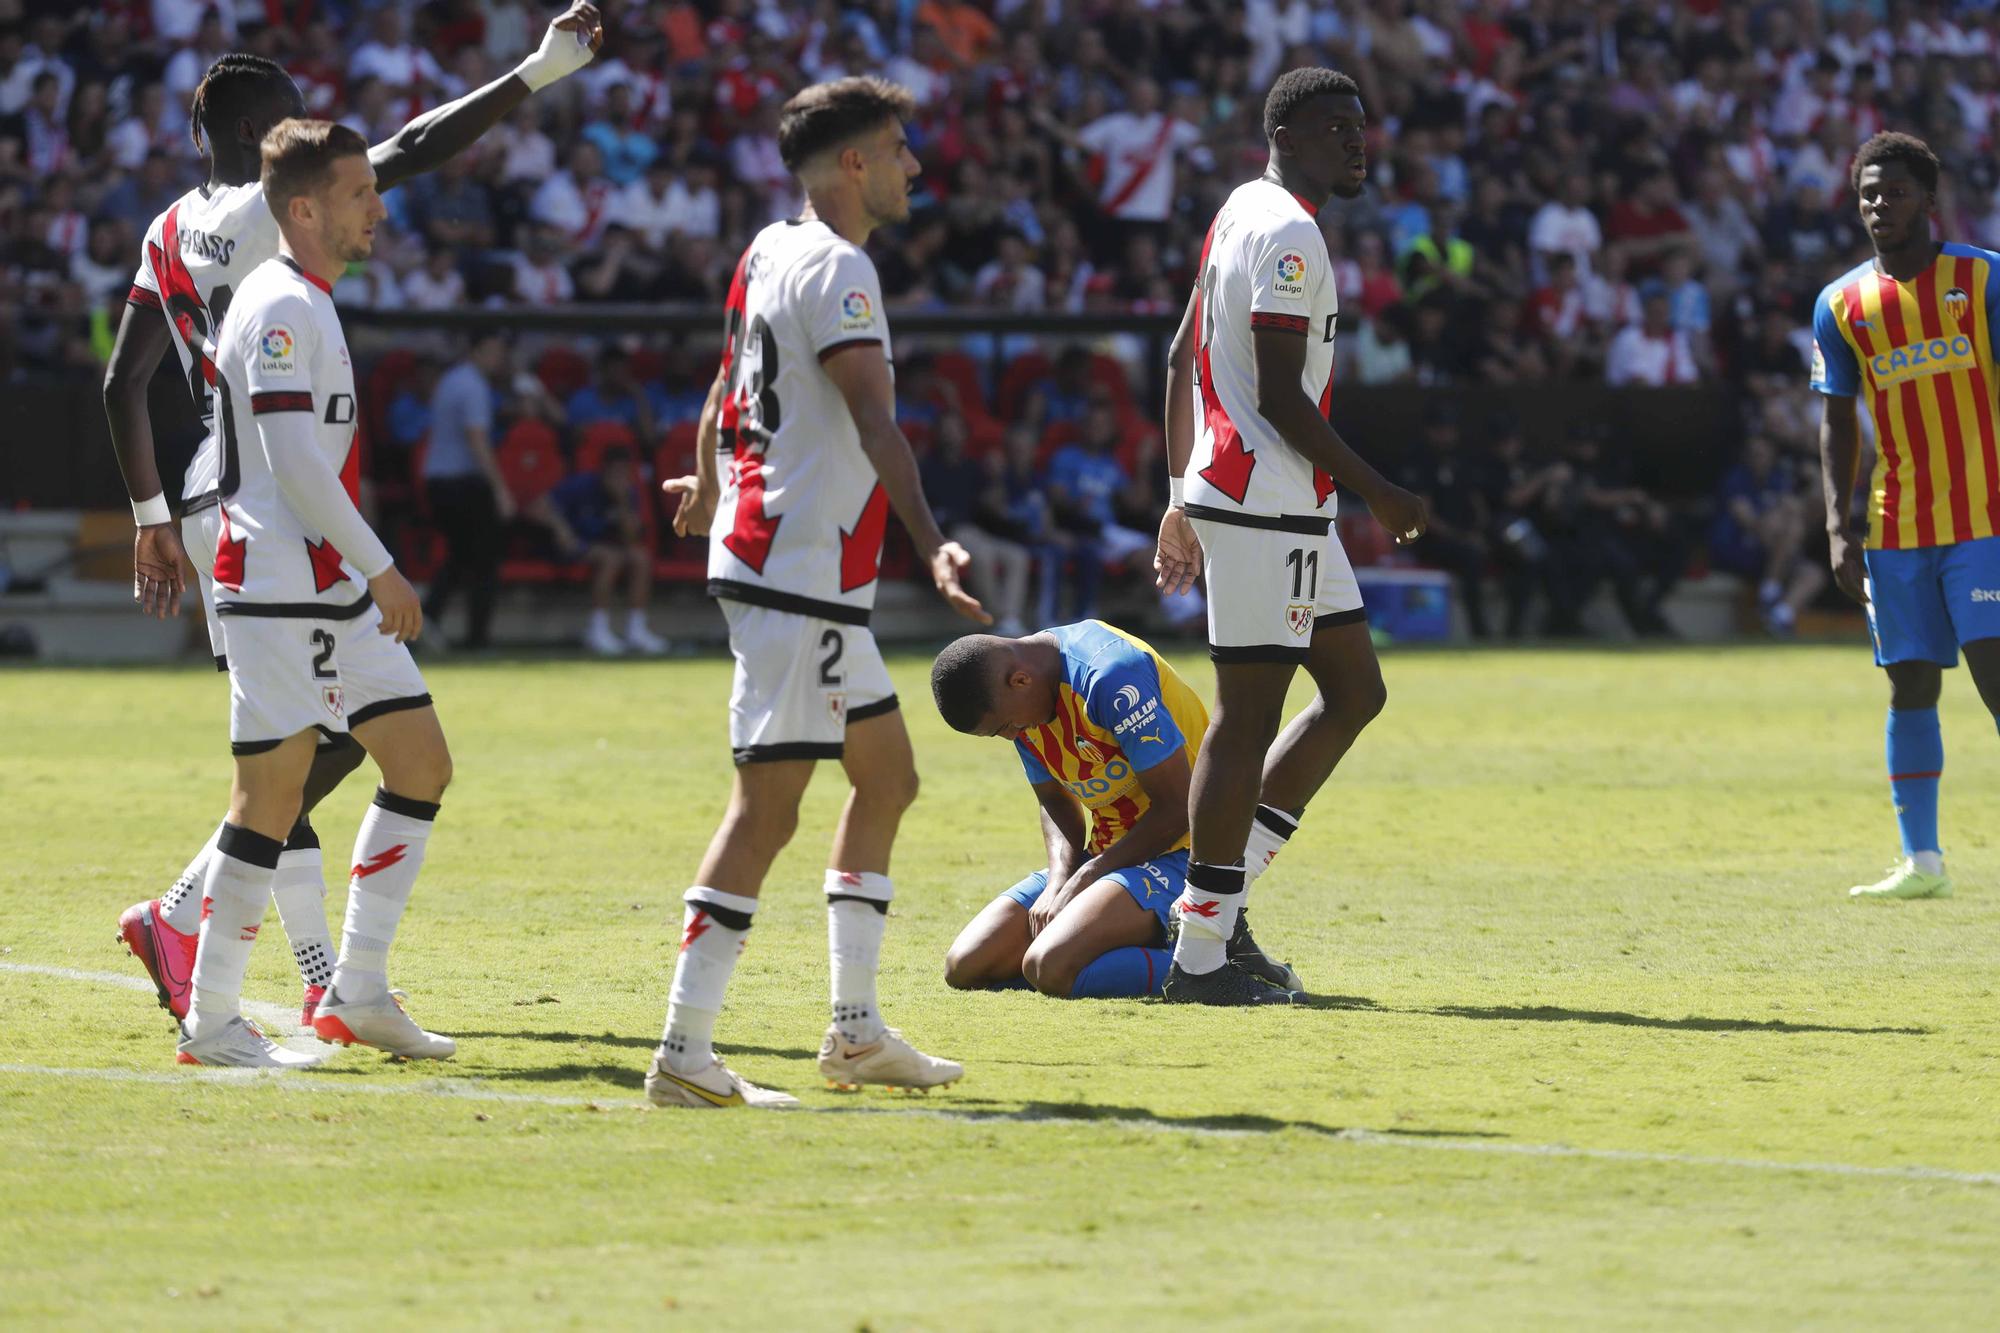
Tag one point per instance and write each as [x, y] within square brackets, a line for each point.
[713, 931]
[299, 889]
[1931, 863]
[600, 621]
[181, 904]
[388, 852]
[635, 619]
[1208, 908]
[1269, 832]
[237, 890]
[857, 912]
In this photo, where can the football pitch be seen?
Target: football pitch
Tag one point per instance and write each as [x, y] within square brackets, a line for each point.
[1601, 1040]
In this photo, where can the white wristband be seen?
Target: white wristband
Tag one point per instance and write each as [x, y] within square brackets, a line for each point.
[1174, 487]
[561, 54]
[151, 513]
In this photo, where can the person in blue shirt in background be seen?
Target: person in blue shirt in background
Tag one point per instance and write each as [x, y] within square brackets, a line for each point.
[612, 395]
[595, 518]
[1763, 515]
[1089, 489]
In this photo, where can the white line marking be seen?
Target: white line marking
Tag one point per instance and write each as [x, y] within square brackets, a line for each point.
[272, 1017]
[473, 1090]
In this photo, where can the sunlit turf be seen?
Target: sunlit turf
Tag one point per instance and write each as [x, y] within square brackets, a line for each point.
[1588, 900]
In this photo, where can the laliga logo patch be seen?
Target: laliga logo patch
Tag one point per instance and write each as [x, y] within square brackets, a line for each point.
[274, 349]
[1291, 274]
[856, 312]
[1818, 363]
[1957, 304]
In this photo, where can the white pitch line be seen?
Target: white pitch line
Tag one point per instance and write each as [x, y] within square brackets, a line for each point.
[274, 1017]
[473, 1090]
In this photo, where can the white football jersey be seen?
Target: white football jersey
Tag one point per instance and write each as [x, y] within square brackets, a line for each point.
[280, 349]
[192, 260]
[801, 518]
[1264, 264]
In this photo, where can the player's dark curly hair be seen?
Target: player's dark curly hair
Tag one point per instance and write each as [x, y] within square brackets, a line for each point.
[232, 88]
[1296, 87]
[1890, 146]
[963, 680]
[827, 115]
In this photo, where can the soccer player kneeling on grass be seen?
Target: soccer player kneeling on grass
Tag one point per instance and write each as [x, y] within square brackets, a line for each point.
[314, 616]
[1107, 733]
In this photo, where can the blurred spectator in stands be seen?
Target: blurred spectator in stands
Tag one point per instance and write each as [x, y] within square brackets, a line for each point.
[1026, 493]
[1503, 351]
[1764, 513]
[620, 268]
[452, 208]
[969, 497]
[969, 36]
[1647, 225]
[1722, 229]
[1457, 486]
[1436, 349]
[408, 71]
[1011, 281]
[104, 269]
[626, 146]
[612, 395]
[438, 285]
[1520, 551]
[754, 160]
[186, 66]
[1652, 352]
[1435, 258]
[1087, 488]
[1064, 394]
[648, 205]
[1134, 157]
[43, 129]
[409, 415]
[527, 156]
[68, 231]
[467, 492]
[576, 202]
[1602, 527]
[596, 517]
[1567, 226]
[1382, 348]
[539, 276]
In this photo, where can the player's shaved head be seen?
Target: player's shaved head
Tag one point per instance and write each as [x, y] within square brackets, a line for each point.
[829, 116]
[966, 679]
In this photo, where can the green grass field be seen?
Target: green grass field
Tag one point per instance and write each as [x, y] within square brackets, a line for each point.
[1609, 1043]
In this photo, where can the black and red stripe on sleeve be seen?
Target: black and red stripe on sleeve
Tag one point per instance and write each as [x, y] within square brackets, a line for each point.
[292, 401]
[143, 296]
[1271, 319]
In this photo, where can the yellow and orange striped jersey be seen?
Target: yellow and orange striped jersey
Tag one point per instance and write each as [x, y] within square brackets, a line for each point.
[1921, 355]
[1120, 710]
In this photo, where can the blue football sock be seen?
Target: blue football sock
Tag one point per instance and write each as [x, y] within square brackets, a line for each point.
[1916, 760]
[1122, 972]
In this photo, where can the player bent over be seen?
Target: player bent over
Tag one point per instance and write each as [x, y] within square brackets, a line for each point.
[1248, 428]
[314, 616]
[1105, 728]
[193, 256]
[803, 405]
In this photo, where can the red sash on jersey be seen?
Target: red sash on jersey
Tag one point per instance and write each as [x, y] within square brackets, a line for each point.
[1155, 151]
[594, 201]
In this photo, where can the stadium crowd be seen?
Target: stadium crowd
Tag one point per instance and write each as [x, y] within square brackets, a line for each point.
[1627, 193]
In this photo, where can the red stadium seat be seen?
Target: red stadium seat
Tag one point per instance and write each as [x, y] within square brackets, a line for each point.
[1055, 437]
[562, 371]
[599, 437]
[531, 461]
[963, 374]
[1110, 372]
[1023, 373]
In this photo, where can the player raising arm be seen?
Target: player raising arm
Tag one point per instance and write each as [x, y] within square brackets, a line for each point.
[804, 410]
[1913, 330]
[193, 262]
[1253, 464]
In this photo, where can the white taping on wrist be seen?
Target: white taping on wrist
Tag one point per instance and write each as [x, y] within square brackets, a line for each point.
[1174, 487]
[553, 59]
[151, 513]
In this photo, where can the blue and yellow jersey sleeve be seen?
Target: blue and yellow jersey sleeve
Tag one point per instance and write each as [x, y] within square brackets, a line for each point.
[1835, 371]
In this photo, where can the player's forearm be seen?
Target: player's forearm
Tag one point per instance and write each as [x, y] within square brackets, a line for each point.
[1151, 834]
[708, 437]
[134, 358]
[442, 133]
[1063, 834]
[314, 490]
[1179, 413]
[1839, 456]
[896, 467]
[1298, 422]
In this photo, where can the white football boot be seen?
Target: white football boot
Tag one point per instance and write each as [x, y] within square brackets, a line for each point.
[888, 1061]
[378, 1023]
[712, 1089]
[639, 637]
[238, 1044]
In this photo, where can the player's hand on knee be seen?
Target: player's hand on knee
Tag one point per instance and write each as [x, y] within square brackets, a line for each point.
[157, 583]
[1177, 558]
[948, 565]
[1849, 570]
[402, 613]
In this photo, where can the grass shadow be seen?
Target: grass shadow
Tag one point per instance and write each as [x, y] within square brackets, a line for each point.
[960, 1108]
[637, 1043]
[1549, 1013]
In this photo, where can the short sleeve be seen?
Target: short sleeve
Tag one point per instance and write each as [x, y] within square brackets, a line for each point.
[277, 343]
[840, 300]
[1834, 368]
[1102, 134]
[1124, 698]
[146, 288]
[1037, 772]
[1286, 270]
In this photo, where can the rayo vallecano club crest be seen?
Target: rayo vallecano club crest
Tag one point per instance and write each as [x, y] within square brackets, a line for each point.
[1957, 303]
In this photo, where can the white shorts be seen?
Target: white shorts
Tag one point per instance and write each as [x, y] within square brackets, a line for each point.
[799, 682]
[199, 533]
[288, 675]
[1270, 590]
